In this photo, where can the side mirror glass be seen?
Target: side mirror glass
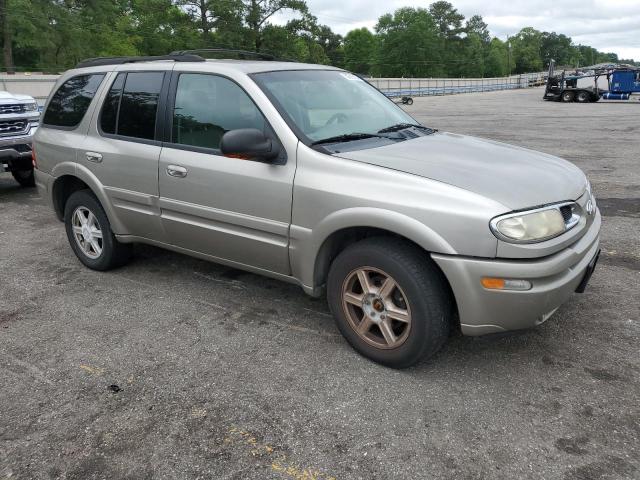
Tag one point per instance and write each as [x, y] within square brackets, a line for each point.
[249, 143]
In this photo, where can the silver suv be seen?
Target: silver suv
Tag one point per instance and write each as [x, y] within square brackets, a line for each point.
[308, 174]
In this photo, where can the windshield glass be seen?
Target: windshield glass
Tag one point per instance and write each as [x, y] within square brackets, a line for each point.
[326, 103]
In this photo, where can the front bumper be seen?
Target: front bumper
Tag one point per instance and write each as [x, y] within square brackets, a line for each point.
[15, 151]
[554, 279]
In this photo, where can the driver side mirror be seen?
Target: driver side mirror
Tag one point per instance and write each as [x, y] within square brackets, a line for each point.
[249, 143]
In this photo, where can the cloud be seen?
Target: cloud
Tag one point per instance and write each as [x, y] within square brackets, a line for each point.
[608, 25]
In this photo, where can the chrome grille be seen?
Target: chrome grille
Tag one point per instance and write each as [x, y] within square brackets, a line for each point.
[7, 127]
[16, 108]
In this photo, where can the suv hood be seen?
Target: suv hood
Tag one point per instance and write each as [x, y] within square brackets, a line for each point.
[6, 97]
[516, 177]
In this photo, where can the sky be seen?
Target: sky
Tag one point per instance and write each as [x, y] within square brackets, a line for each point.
[608, 25]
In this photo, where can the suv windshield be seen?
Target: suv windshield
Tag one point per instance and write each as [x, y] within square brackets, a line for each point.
[329, 104]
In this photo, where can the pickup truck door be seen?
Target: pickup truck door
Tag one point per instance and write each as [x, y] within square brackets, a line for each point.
[232, 209]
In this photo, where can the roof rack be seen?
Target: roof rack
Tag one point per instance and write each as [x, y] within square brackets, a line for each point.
[101, 61]
[242, 54]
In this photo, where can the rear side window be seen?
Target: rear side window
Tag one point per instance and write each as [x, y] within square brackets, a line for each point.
[69, 104]
[131, 106]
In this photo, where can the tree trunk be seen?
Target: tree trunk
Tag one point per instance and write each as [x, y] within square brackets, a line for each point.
[204, 21]
[7, 38]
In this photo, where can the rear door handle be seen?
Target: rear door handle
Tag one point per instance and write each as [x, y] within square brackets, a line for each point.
[94, 157]
[176, 171]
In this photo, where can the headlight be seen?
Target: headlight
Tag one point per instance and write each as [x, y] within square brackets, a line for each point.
[535, 225]
[31, 107]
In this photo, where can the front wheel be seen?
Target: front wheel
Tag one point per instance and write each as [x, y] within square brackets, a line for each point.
[25, 178]
[89, 233]
[390, 301]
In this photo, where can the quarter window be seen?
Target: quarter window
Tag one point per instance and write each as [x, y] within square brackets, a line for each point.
[131, 106]
[109, 117]
[208, 106]
[69, 104]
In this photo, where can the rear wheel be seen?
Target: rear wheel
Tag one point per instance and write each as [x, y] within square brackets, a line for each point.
[389, 300]
[567, 96]
[583, 97]
[89, 233]
[25, 178]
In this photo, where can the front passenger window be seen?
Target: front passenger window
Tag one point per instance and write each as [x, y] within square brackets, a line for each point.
[208, 106]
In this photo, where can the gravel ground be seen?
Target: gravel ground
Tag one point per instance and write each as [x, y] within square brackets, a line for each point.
[176, 368]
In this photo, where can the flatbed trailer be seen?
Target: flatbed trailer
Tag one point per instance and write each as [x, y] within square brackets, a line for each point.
[622, 82]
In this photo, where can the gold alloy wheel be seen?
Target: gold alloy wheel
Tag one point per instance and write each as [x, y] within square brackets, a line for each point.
[376, 307]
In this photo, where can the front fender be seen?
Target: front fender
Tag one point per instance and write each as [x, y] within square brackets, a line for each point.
[306, 243]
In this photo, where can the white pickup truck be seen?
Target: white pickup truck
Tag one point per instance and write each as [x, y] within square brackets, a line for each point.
[19, 120]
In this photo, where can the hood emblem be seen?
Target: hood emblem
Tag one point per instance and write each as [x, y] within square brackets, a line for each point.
[589, 207]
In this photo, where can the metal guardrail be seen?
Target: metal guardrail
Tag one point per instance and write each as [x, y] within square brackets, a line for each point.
[417, 87]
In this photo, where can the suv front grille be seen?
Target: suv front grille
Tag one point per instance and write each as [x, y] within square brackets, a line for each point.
[17, 108]
[8, 127]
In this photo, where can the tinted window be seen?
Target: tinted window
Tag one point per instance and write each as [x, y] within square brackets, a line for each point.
[207, 106]
[139, 105]
[109, 116]
[69, 104]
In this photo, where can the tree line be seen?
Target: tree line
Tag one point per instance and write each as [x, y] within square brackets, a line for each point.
[53, 35]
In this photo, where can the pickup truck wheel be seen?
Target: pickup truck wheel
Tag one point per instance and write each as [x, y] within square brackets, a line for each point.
[389, 300]
[90, 235]
[24, 177]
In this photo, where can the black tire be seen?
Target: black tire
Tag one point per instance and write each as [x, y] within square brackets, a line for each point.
[114, 253]
[583, 97]
[567, 97]
[409, 101]
[25, 178]
[421, 282]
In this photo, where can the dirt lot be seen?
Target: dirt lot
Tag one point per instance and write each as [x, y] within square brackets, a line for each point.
[176, 368]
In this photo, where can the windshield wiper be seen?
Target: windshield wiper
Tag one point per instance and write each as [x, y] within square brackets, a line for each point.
[348, 137]
[402, 126]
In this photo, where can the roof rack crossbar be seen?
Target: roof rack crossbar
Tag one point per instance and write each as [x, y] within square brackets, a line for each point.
[240, 53]
[102, 61]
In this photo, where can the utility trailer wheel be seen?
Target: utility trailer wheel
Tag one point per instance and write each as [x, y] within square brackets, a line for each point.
[407, 101]
[567, 97]
[583, 97]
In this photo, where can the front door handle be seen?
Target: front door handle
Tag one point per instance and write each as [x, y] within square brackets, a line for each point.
[176, 171]
[94, 157]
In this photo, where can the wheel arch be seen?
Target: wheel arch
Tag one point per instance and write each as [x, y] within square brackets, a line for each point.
[313, 250]
[339, 240]
[69, 181]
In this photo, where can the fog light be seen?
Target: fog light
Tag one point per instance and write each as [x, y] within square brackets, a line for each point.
[492, 283]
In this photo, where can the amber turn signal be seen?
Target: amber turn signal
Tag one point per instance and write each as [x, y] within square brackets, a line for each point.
[492, 283]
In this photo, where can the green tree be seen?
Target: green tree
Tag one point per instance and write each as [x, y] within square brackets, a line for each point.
[359, 50]
[526, 48]
[258, 12]
[475, 25]
[496, 60]
[408, 44]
